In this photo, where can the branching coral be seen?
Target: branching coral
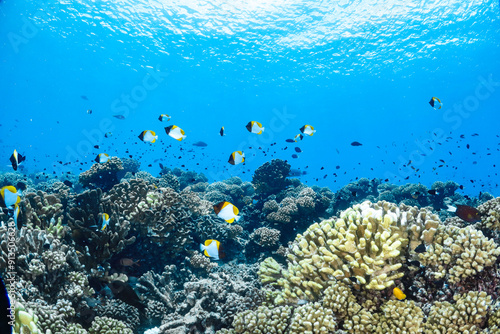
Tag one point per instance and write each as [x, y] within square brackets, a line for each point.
[161, 214]
[490, 213]
[466, 315]
[366, 246]
[39, 209]
[105, 325]
[457, 253]
[96, 244]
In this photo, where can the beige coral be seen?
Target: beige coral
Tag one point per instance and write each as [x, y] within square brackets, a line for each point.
[266, 237]
[264, 320]
[312, 319]
[490, 213]
[366, 245]
[457, 253]
[39, 209]
[339, 298]
[466, 315]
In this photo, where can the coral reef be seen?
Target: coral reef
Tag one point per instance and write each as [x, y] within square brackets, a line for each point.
[301, 260]
[103, 176]
[271, 177]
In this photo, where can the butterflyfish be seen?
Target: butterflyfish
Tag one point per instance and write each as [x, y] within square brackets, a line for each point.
[237, 157]
[175, 132]
[435, 103]
[164, 118]
[255, 127]
[102, 158]
[221, 132]
[307, 130]
[148, 136]
[103, 221]
[16, 159]
[298, 137]
[211, 248]
[9, 196]
[227, 211]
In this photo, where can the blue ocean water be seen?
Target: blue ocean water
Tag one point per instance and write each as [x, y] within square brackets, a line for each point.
[359, 70]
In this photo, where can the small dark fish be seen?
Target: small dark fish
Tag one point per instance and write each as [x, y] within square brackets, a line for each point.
[420, 248]
[96, 146]
[119, 116]
[414, 263]
[68, 183]
[84, 97]
[353, 279]
[161, 165]
[356, 143]
[200, 144]
[298, 150]
[21, 186]
[126, 294]
[5, 315]
[468, 213]
[353, 193]
[433, 192]
[295, 156]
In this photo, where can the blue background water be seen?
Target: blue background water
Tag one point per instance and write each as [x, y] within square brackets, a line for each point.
[356, 70]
